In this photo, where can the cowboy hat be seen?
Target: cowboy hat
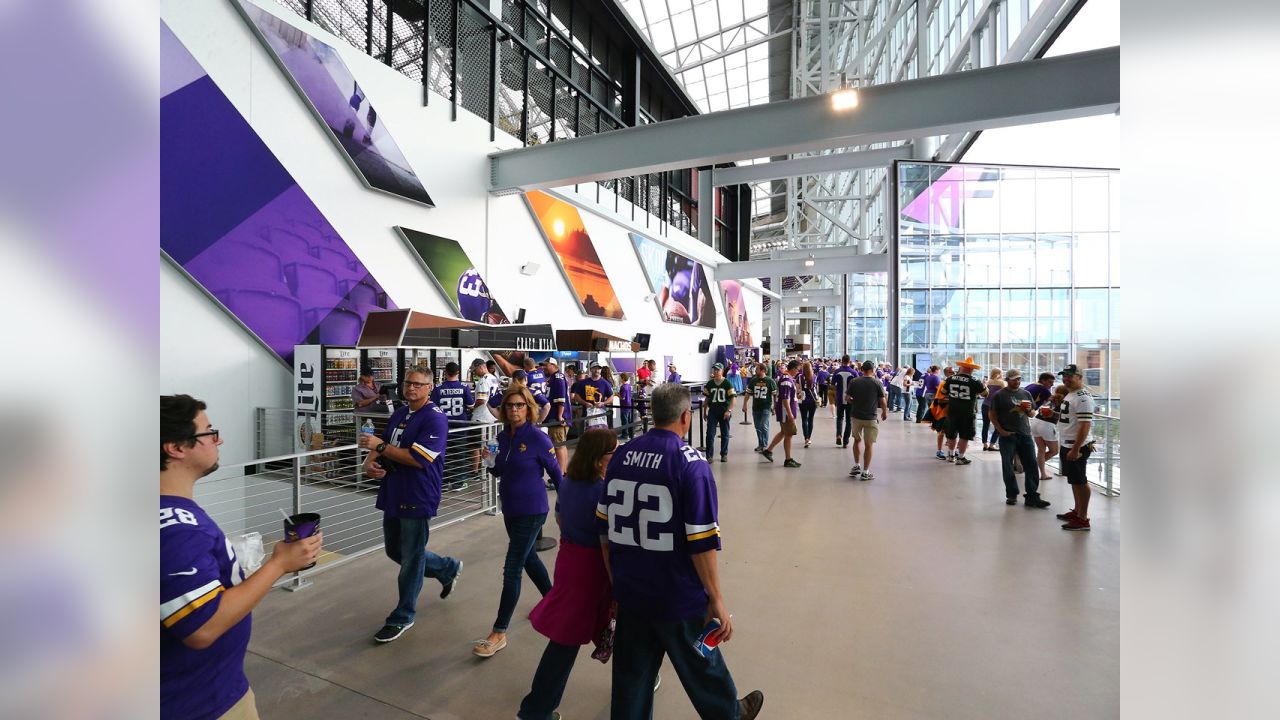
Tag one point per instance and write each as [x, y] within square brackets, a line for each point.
[968, 363]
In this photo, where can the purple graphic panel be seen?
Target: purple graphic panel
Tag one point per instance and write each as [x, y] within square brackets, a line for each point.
[325, 81]
[236, 221]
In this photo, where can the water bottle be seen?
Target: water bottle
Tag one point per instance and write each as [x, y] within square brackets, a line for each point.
[367, 427]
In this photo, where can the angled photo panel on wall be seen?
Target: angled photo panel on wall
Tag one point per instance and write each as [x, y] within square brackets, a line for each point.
[562, 227]
[678, 283]
[236, 222]
[456, 276]
[339, 102]
[735, 308]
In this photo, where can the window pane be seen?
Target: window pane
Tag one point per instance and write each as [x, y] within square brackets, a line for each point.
[1091, 260]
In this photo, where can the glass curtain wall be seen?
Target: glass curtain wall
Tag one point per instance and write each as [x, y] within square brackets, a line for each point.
[1015, 266]
[867, 309]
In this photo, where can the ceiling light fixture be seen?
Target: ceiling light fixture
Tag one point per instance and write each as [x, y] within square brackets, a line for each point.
[846, 99]
[809, 261]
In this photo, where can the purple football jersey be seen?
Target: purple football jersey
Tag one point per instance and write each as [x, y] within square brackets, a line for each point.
[408, 491]
[658, 509]
[197, 564]
[786, 396]
[473, 296]
[558, 394]
[454, 399]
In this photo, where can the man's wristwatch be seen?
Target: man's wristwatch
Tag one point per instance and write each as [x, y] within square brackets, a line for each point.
[380, 447]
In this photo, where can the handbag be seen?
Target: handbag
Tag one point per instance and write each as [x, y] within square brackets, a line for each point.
[604, 642]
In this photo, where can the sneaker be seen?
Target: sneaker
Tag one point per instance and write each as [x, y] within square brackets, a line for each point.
[390, 632]
[962, 460]
[790, 463]
[1076, 524]
[724, 458]
[867, 476]
[1011, 501]
[487, 648]
[1068, 515]
[839, 444]
[759, 449]
[951, 457]
[806, 443]
[767, 455]
[940, 455]
[749, 706]
[1037, 503]
[444, 591]
[855, 471]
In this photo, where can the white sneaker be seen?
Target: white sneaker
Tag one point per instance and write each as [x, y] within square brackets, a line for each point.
[855, 470]
[867, 476]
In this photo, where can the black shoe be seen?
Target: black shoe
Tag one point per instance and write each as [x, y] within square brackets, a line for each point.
[1011, 501]
[390, 632]
[790, 463]
[448, 588]
[1037, 503]
[749, 706]
[724, 458]
[767, 455]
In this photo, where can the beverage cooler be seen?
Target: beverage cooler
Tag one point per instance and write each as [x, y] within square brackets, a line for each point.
[323, 378]
[382, 364]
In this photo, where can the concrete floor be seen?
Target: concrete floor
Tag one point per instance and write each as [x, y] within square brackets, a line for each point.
[917, 595]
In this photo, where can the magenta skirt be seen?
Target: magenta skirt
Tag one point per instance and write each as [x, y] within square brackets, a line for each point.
[577, 608]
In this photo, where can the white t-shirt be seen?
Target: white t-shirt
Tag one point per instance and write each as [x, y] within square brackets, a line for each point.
[1076, 408]
[484, 387]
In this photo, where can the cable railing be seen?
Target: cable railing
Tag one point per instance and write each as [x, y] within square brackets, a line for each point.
[1104, 463]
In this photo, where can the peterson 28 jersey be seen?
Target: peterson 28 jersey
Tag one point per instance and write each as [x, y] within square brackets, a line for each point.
[658, 508]
[197, 565]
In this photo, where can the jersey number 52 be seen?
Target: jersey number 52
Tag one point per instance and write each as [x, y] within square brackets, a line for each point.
[629, 494]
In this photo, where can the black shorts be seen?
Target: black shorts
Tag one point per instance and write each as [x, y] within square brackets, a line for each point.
[960, 425]
[1077, 471]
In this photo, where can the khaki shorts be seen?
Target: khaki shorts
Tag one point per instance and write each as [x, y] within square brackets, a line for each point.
[244, 709]
[788, 427]
[866, 430]
[559, 434]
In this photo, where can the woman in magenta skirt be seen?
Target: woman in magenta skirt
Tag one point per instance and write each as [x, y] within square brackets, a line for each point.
[576, 611]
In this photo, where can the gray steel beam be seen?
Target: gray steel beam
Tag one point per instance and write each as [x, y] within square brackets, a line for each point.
[812, 165]
[1058, 88]
[849, 263]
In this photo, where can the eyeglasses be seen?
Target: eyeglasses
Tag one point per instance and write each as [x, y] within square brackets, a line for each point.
[211, 433]
[416, 385]
[515, 406]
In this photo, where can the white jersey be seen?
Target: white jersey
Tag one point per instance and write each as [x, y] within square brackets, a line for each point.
[1076, 408]
[484, 388]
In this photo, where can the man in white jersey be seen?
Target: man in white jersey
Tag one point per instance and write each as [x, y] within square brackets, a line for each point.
[1075, 421]
[484, 385]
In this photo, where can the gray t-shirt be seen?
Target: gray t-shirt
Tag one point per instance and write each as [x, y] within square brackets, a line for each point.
[864, 397]
[1005, 403]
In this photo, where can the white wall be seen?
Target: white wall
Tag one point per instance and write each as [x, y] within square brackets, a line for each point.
[207, 354]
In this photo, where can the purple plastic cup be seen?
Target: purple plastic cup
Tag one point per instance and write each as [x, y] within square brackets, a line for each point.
[302, 525]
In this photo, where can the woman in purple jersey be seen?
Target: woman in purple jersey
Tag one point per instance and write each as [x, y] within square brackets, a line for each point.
[577, 609]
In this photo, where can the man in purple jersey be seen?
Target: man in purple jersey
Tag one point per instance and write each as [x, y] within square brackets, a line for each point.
[844, 419]
[408, 459]
[672, 375]
[927, 393]
[205, 598]
[785, 409]
[557, 417]
[659, 531]
[453, 396]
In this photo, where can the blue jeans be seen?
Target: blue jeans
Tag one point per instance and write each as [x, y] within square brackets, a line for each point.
[921, 407]
[1025, 447]
[627, 418]
[522, 531]
[895, 393]
[807, 411]
[640, 643]
[844, 423]
[405, 541]
[760, 415]
[717, 420]
[907, 400]
[549, 681]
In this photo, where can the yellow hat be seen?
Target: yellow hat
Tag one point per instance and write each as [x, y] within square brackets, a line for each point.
[969, 363]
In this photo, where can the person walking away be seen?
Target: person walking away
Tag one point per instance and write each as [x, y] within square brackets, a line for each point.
[625, 408]
[524, 455]
[995, 383]
[1010, 413]
[659, 526]
[823, 377]
[455, 400]
[807, 385]
[1074, 425]
[762, 389]
[786, 410]
[577, 609]
[867, 400]
[206, 599]
[717, 410]
[844, 421]
[409, 459]
[963, 393]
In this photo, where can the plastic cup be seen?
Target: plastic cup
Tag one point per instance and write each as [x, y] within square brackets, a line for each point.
[1026, 406]
[302, 525]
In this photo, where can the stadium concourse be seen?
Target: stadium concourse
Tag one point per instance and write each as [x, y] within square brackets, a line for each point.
[919, 594]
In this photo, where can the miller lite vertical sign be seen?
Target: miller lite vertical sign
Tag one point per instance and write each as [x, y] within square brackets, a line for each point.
[307, 374]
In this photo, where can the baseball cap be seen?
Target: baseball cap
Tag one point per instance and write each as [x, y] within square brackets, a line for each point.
[551, 362]
[1013, 374]
[671, 364]
[597, 366]
[718, 366]
[1071, 369]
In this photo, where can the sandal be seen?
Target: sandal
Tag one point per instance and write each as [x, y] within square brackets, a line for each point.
[487, 648]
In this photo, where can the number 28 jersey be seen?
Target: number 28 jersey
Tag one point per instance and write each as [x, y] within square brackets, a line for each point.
[658, 508]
